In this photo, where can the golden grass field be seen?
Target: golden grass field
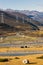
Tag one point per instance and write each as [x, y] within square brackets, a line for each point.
[32, 59]
[21, 49]
[13, 61]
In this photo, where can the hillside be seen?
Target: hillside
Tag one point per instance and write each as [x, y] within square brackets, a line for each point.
[17, 22]
[16, 19]
[36, 15]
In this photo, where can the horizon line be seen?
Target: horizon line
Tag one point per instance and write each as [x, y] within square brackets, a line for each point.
[19, 9]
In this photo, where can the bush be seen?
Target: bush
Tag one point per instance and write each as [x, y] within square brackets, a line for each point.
[40, 57]
[4, 60]
[22, 46]
[16, 58]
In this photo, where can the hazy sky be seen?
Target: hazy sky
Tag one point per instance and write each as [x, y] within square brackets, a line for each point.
[22, 4]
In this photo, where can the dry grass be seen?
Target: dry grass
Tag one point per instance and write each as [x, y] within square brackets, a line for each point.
[21, 49]
[21, 38]
[38, 33]
[32, 58]
[31, 36]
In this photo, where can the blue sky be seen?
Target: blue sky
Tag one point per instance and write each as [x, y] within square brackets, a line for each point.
[22, 4]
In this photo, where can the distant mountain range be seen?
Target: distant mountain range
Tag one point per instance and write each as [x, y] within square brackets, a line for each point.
[19, 20]
[36, 15]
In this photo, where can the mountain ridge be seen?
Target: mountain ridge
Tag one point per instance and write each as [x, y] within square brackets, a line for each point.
[18, 23]
[13, 16]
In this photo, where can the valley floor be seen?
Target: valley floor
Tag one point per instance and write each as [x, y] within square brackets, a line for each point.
[22, 44]
[18, 60]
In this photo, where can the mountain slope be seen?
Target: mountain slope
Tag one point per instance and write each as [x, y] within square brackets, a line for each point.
[17, 21]
[36, 15]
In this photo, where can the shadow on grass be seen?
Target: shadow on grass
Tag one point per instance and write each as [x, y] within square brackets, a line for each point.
[33, 63]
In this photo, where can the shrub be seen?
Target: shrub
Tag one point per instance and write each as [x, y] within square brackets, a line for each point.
[40, 57]
[16, 58]
[22, 46]
[4, 60]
